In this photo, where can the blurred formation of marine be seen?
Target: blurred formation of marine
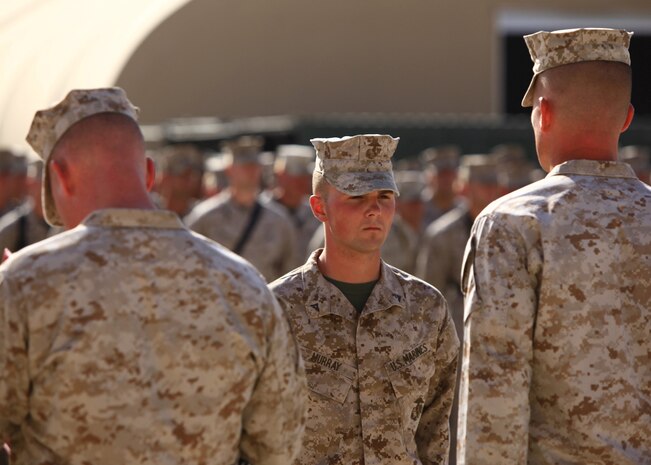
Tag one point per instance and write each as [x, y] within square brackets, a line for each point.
[25, 224]
[292, 170]
[243, 221]
[129, 338]
[401, 247]
[179, 177]
[441, 253]
[13, 179]
[639, 157]
[441, 166]
[379, 345]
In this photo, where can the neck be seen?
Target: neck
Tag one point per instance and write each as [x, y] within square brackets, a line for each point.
[179, 205]
[75, 216]
[291, 202]
[580, 147]
[349, 267]
[244, 197]
[444, 200]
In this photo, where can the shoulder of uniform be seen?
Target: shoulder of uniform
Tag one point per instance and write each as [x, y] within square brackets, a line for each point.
[227, 259]
[206, 207]
[45, 253]
[413, 284]
[291, 278]
[275, 209]
[448, 222]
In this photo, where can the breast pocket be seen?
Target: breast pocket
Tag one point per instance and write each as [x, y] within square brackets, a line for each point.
[330, 409]
[327, 376]
[410, 374]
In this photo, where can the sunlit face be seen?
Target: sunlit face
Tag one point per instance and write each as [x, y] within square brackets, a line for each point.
[358, 223]
[245, 176]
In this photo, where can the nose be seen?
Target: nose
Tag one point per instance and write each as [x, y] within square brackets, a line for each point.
[373, 207]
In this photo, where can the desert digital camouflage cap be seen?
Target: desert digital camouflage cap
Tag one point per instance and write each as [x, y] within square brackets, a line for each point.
[243, 150]
[179, 159]
[49, 125]
[444, 158]
[357, 165]
[557, 48]
[296, 160]
[411, 184]
[479, 169]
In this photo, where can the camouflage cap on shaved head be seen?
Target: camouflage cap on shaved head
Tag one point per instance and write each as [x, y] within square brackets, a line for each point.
[357, 165]
[295, 160]
[551, 49]
[49, 125]
[243, 150]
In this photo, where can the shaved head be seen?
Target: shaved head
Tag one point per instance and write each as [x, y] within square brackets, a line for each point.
[114, 135]
[592, 95]
[100, 162]
[580, 110]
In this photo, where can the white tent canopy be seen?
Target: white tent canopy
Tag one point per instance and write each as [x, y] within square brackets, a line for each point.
[48, 47]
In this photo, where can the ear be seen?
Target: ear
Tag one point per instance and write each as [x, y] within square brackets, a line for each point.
[151, 173]
[318, 208]
[629, 117]
[546, 114]
[60, 178]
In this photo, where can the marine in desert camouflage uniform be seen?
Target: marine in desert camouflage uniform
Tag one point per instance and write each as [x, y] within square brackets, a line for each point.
[13, 173]
[639, 157]
[130, 339]
[379, 345]
[179, 177]
[271, 244]
[441, 167]
[25, 224]
[292, 169]
[557, 278]
[441, 255]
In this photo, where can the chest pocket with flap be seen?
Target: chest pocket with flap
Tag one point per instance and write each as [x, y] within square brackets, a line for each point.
[327, 376]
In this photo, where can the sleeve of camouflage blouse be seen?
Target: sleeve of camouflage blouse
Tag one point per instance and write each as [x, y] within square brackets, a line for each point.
[292, 258]
[14, 378]
[431, 263]
[274, 419]
[433, 433]
[500, 301]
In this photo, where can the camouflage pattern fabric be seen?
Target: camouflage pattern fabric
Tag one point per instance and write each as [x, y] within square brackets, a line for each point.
[551, 49]
[357, 165]
[129, 339]
[271, 248]
[380, 382]
[557, 281]
[50, 124]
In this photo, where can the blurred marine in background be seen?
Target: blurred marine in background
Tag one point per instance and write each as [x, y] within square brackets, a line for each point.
[243, 221]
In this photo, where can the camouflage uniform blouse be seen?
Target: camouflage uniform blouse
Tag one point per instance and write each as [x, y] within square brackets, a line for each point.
[380, 383]
[556, 365]
[130, 339]
[271, 247]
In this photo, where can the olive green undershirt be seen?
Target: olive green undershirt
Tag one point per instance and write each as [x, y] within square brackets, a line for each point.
[356, 293]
